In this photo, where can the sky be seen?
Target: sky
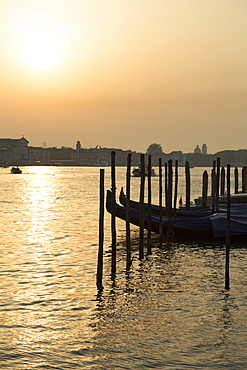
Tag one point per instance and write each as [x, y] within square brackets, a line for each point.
[124, 74]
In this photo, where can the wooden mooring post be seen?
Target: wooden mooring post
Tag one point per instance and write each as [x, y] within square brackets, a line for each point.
[217, 198]
[149, 248]
[160, 201]
[101, 231]
[244, 179]
[236, 180]
[166, 184]
[169, 200]
[141, 209]
[175, 189]
[204, 188]
[222, 181]
[128, 175]
[213, 187]
[187, 180]
[228, 230]
[113, 215]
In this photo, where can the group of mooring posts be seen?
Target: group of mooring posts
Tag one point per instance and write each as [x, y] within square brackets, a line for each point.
[168, 202]
[217, 189]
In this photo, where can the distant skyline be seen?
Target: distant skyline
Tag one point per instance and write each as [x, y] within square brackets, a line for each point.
[124, 74]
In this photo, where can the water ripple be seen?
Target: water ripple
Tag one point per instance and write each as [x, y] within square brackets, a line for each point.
[170, 311]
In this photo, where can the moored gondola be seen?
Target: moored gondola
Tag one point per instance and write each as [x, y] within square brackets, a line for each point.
[193, 212]
[207, 227]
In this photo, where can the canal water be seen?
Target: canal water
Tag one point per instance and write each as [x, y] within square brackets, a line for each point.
[170, 311]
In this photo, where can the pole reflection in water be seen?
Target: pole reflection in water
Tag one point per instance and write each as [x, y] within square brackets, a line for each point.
[172, 312]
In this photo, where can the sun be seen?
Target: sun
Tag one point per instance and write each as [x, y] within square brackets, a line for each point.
[41, 41]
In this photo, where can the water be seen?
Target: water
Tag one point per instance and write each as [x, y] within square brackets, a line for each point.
[169, 312]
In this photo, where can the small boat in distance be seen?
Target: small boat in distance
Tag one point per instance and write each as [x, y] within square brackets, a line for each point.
[15, 170]
[137, 172]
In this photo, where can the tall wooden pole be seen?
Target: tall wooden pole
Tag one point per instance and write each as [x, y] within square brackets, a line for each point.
[217, 200]
[175, 189]
[187, 179]
[204, 188]
[236, 180]
[244, 179]
[141, 208]
[113, 215]
[101, 232]
[228, 230]
[166, 184]
[128, 252]
[213, 186]
[160, 201]
[222, 181]
[149, 249]
[169, 198]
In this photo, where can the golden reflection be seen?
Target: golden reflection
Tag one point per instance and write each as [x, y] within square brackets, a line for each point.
[40, 195]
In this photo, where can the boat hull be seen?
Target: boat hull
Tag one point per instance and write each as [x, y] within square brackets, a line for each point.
[181, 228]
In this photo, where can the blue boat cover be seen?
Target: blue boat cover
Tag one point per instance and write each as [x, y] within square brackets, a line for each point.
[238, 221]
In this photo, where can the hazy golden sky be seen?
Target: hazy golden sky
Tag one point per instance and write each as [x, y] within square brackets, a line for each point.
[125, 73]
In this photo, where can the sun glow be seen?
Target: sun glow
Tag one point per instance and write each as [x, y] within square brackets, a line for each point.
[41, 41]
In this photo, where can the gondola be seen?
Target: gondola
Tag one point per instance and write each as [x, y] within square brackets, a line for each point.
[194, 212]
[207, 227]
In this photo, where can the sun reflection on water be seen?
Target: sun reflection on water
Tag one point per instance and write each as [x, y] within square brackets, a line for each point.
[39, 195]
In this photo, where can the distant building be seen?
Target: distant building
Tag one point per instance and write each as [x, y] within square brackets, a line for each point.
[236, 158]
[78, 145]
[34, 155]
[6, 155]
[14, 151]
[197, 150]
[17, 152]
[177, 156]
[204, 149]
[38, 156]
